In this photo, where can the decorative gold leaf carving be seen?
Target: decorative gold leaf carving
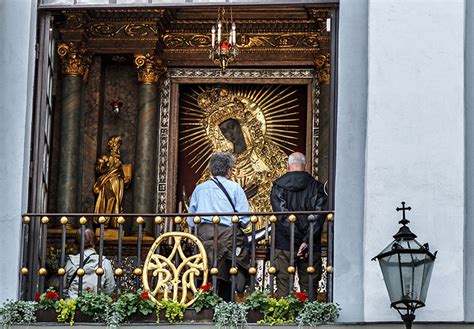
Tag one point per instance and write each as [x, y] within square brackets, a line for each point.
[323, 65]
[75, 59]
[149, 68]
[132, 30]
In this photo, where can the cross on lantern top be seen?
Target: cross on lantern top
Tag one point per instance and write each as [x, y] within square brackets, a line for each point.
[404, 221]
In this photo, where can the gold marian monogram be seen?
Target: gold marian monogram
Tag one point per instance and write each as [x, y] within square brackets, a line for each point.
[175, 280]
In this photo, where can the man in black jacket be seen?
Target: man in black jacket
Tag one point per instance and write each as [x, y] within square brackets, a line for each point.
[297, 190]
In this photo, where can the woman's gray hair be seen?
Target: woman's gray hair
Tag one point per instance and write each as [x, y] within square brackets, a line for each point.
[220, 163]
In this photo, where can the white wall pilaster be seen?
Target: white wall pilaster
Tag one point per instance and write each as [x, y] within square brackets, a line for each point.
[17, 31]
[415, 145]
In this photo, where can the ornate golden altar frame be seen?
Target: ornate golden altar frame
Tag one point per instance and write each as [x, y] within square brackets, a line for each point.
[169, 110]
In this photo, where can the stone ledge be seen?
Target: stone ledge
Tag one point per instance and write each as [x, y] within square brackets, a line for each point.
[365, 325]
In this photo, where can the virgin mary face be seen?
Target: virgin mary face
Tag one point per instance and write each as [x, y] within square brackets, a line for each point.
[232, 131]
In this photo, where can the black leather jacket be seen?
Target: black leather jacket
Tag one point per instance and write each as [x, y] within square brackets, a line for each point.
[297, 190]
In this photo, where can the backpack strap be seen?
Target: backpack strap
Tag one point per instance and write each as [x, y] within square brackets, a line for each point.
[219, 184]
[75, 272]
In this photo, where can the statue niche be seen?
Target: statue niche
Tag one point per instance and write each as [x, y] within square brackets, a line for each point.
[243, 123]
[114, 178]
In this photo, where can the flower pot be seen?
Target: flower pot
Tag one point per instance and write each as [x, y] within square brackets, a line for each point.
[205, 315]
[79, 316]
[253, 316]
[47, 315]
[140, 318]
[163, 316]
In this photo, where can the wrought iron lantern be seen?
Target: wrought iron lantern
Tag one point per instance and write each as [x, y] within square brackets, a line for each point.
[224, 48]
[406, 268]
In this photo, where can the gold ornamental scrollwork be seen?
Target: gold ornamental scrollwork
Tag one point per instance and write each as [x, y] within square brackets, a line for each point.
[149, 68]
[280, 41]
[285, 41]
[74, 19]
[168, 279]
[323, 65]
[132, 30]
[75, 59]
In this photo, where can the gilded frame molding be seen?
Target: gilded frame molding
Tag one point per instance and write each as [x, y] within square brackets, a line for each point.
[167, 151]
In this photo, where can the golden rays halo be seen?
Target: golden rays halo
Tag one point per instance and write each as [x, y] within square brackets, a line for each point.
[270, 111]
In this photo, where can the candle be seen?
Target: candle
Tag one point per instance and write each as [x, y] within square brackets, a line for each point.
[233, 38]
[219, 28]
[213, 30]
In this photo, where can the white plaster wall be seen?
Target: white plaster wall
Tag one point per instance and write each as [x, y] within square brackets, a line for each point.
[350, 160]
[415, 145]
[16, 75]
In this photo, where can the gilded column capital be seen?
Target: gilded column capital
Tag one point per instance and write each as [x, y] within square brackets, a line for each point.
[323, 68]
[149, 68]
[75, 59]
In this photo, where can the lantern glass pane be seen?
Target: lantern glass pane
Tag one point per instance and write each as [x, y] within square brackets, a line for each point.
[391, 274]
[406, 272]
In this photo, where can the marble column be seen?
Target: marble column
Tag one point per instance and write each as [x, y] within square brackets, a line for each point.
[75, 63]
[149, 69]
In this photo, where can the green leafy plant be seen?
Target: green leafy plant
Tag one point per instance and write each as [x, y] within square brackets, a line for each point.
[17, 312]
[205, 298]
[284, 309]
[174, 311]
[136, 303]
[94, 305]
[258, 300]
[228, 314]
[48, 299]
[315, 313]
[66, 310]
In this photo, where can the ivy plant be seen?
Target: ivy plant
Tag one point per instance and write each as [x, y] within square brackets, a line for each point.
[229, 314]
[315, 313]
[17, 312]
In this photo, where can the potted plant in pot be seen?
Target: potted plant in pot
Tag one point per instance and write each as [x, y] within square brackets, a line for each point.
[138, 307]
[170, 311]
[66, 310]
[203, 306]
[284, 309]
[92, 307]
[46, 304]
[257, 302]
[13, 312]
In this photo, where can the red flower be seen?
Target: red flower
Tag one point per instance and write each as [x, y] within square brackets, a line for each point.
[144, 294]
[206, 287]
[51, 295]
[302, 296]
[38, 297]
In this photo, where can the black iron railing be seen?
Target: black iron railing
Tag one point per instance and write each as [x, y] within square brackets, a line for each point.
[42, 230]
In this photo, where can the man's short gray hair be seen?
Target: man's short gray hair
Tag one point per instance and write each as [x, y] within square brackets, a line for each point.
[296, 158]
[220, 163]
